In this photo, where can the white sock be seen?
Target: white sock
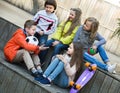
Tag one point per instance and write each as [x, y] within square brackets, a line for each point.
[33, 70]
[111, 68]
[108, 63]
[44, 76]
[39, 69]
[49, 79]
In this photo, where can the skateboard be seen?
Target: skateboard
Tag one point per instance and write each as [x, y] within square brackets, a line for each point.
[91, 51]
[84, 77]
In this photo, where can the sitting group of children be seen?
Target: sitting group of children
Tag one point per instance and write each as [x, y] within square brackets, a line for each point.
[69, 35]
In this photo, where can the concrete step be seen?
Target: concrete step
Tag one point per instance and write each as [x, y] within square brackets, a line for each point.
[102, 82]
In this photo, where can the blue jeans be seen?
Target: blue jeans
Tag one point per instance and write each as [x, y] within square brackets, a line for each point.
[42, 39]
[57, 49]
[93, 60]
[62, 80]
[56, 71]
[102, 54]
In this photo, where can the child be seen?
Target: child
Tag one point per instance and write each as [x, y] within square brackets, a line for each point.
[63, 68]
[18, 49]
[86, 35]
[65, 33]
[46, 21]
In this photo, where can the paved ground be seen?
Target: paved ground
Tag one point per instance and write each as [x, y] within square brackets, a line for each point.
[13, 14]
[17, 16]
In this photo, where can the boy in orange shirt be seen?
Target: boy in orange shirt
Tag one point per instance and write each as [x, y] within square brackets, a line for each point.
[18, 49]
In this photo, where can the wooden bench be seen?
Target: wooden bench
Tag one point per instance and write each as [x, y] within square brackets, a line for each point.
[16, 79]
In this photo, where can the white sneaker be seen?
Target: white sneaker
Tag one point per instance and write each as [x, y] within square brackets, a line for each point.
[111, 68]
[108, 63]
[114, 72]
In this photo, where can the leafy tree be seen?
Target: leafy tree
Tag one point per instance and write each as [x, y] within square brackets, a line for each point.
[117, 30]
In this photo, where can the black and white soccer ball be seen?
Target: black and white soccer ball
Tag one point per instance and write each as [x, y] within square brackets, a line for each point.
[32, 40]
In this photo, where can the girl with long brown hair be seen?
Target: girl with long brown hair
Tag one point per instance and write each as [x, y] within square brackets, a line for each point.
[63, 68]
[64, 34]
[87, 34]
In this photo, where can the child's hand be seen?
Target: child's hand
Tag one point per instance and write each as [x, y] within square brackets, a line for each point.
[94, 47]
[41, 33]
[61, 57]
[43, 48]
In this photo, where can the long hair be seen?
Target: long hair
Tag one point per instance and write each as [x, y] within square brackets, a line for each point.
[75, 22]
[94, 26]
[77, 57]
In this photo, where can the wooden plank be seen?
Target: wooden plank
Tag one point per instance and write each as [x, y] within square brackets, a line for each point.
[3, 70]
[21, 85]
[106, 85]
[29, 87]
[115, 86]
[6, 81]
[36, 89]
[118, 90]
[97, 82]
[13, 84]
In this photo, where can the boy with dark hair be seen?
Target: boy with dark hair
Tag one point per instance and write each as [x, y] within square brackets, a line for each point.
[18, 49]
[46, 21]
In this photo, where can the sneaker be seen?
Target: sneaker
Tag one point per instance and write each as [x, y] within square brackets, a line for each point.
[111, 68]
[36, 74]
[114, 72]
[108, 63]
[45, 81]
[40, 73]
[39, 78]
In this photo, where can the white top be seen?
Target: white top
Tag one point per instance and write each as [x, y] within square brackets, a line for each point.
[70, 71]
[46, 22]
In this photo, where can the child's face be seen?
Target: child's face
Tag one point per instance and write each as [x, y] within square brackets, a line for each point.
[31, 30]
[87, 26]
[49, 9]
[70, 49]
[72, 15]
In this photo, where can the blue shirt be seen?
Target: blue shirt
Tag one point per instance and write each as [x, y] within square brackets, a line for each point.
[83, 37]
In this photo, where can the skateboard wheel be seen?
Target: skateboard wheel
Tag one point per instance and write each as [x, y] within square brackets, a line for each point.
[87, 64]
[78, 87]
[71, 83]
[94, 68]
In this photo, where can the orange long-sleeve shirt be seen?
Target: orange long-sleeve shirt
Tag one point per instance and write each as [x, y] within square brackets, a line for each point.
[16, 43]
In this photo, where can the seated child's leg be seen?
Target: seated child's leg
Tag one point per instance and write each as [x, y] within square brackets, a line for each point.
[93, 60]
[42, 54]
[51, 67]
[43, 39]
[25, 55]
[37, 63]
[49, 42]
[56, 71]
[59, 47]
[62, 80]
[103, 54]
[19, 56]
[52, 72]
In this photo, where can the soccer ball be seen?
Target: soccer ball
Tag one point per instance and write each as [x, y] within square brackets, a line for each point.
[32, 40]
